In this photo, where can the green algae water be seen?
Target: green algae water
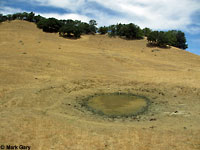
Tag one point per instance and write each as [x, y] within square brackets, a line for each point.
[117, 104]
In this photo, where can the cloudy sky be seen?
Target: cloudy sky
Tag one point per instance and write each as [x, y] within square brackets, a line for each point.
[156, 14]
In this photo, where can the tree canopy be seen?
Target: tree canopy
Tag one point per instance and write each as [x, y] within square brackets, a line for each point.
[171, 38]
[49, 25]
[70, 30]
[103, 30]
[128, 31]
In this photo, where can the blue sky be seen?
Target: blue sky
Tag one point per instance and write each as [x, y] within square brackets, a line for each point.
[156, 14]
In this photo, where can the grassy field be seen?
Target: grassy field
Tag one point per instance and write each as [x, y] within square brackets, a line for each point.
[43, 77]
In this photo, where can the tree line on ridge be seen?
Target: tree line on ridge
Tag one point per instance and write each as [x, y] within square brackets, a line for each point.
[74, 29]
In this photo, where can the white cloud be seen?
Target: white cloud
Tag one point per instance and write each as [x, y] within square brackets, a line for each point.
[9, 10]
[156, 14]
[66, 16]
[65, 4]
[74, 16]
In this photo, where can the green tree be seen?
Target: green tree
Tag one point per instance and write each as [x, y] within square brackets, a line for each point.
[49, 25]
[77, 32]
[120, 29]
[112, 31]
[24, 16]
[146, 31]
[70, 30]
[1, 17]
[181, 40]
[41, 23]
[84, 27]
[38, 18]
[4, 18]
[129, 31]
[92, 26]
[153, 37]
[66, 30]
[30, 17]
[163, 39]
[16, 16]
[132, 31]
[171, 35]
[103, 30]
[9, 17]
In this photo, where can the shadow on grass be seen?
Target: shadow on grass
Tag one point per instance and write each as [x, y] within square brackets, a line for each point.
[71, 37]
[153, 45]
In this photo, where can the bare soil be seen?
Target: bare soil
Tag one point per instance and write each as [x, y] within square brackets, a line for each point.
[43, 78]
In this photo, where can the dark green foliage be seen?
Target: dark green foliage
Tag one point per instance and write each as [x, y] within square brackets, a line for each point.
[41, 23]
[128, 31]
[103, 30]
[163, 40]
[9, 17]
[171, 35]
[169, 38]
[23, 16]
[92, 23]
[92, 26]
[132, 31]
[30, 17]
[84, 27]
[37, 18]
[112, 31]
[70, 30]
[146, 31]
[181, 40]
[153, 37]
[16, 16]
[49, 25]
[1, 17]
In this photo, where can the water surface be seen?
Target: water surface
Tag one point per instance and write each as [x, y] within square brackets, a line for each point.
[117, 105]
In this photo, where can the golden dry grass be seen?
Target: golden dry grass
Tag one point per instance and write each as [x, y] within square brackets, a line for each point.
[43, 76]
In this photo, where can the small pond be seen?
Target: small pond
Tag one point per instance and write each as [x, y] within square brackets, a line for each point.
[113, 105]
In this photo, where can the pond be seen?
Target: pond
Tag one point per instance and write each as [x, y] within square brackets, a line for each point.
[114, 105]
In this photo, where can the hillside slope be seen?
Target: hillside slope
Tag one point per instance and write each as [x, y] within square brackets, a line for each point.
[42, 76]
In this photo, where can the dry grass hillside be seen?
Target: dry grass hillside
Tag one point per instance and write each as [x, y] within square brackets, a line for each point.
[43, 77]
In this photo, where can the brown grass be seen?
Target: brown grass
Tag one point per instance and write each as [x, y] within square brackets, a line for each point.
[42, 76]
